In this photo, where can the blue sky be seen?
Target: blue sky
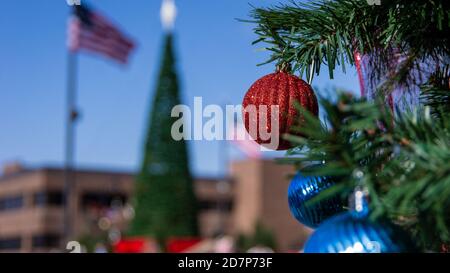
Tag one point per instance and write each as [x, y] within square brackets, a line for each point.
[215, 61]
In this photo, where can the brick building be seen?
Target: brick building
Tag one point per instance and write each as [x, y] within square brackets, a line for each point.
[31, 211]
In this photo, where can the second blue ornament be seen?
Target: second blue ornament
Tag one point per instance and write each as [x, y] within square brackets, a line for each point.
[348, 232]
[304, 188]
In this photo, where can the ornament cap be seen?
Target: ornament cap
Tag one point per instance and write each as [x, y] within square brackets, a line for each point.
[359, 200]
[284, 67]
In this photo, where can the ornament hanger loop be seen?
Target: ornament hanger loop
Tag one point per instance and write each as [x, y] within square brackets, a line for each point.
[284, 67]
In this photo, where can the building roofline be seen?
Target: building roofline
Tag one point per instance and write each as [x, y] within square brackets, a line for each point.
[32, 170]
[93, 170]
[5, 177]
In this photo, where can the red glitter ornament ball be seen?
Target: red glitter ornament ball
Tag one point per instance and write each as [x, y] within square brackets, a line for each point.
[280, 89]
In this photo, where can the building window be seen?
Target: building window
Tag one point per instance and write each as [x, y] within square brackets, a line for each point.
[48, 198]
[46, 240]
[101, 200]
[13, 243]
[10, 203]
[224, 205]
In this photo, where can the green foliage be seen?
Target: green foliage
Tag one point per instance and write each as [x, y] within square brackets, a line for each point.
[329, 32]
[404, 158]
[165, 202]
[260, 237]
[436, 93]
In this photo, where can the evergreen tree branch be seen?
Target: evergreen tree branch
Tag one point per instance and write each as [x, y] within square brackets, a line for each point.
[404, 161]
[318, 33]
[436, 92]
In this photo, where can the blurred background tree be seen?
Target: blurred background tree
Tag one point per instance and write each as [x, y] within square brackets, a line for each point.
[165, 203]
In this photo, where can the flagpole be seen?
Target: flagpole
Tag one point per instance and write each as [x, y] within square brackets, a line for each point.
[69, 149]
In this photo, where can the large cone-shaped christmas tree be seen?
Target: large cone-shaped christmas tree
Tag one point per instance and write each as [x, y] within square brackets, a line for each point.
[165, 203]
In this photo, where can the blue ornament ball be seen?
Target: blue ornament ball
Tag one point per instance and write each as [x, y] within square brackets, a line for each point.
[349, 233]
[304, 188]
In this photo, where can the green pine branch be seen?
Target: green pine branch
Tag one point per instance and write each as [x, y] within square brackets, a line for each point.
[309, 35]
[403, 156]
[436, 92]
[404, 159]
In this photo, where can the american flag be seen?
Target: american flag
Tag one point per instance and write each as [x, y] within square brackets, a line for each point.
[92, 32]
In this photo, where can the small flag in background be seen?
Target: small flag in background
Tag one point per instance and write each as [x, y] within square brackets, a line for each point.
[243, 141]
[92, 32]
